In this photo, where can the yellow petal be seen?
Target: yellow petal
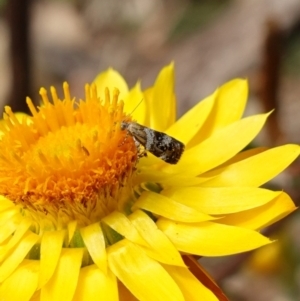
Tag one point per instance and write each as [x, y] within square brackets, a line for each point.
[22, 228]
[72, 226]
[5, 203]
[148, 94]
[143, 276]
[121, 224]
[151, 175]
[191, 122]
[263, 216]
[189, 285]
[21, 284]
[221, 200]
[51, 245]
[6, 215]
[62, 285]
[268, 260]
[212, 152]
[94, 241]
[163, 206]
[94, 285]
[231, 102]
[228, 108]
[242, 156]
[162, 105]
[111, 79]
[164, 250]
[17, 255]
[9, 222]
[211, 239]
[257, 170]
[135, 104]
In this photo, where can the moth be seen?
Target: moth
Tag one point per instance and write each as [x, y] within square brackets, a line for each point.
[157, 143]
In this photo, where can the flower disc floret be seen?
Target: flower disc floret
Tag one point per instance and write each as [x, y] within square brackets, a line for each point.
[70, 159]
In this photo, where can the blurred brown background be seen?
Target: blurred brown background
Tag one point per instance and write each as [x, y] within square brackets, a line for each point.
[43, 43]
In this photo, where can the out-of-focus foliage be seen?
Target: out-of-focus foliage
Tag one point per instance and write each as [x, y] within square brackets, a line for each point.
[292, 55]
[195, 15]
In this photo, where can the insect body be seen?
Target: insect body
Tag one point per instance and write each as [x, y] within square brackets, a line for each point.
[159, 144]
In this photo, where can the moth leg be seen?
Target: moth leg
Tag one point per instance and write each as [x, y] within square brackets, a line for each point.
[141, 150]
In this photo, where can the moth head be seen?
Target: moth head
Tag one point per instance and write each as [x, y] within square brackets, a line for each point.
[124, 125]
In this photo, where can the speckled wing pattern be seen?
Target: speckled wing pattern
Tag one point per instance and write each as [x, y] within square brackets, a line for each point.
[157, 143]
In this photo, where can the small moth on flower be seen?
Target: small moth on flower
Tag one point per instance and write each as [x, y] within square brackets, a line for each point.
[157, 143]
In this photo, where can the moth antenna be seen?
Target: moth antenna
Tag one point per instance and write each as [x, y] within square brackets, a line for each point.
[136, 106]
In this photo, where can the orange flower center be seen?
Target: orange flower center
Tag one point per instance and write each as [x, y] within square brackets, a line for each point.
[69, 161]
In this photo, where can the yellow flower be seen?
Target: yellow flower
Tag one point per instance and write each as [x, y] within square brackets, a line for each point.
[84, 217]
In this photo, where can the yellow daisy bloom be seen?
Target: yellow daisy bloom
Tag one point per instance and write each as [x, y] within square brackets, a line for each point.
[84, 217]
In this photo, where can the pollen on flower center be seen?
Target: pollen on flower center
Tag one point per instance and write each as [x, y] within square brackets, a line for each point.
[69, 160]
